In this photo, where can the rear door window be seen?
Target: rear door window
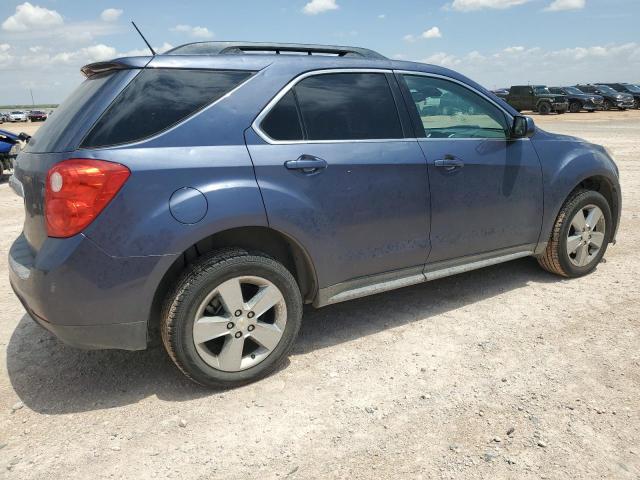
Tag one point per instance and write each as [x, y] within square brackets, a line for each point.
[158, 99]
[348, 106]
[336, 107]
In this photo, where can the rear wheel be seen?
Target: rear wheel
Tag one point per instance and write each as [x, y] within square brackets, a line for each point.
[544, 108]
[580, 235]
[232, 318]
[607, 105]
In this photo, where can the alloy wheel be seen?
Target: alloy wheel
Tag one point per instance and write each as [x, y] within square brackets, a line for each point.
[240, 323]
[586, 235]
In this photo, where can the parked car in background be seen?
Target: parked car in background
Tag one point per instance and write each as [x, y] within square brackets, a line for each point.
[536, 98]
[579, 100]
[629, 88]
[329, 174]
[501, 92]
[4, 117]
[612, 98]
[18, 116]
[37, 116]
[9, 147]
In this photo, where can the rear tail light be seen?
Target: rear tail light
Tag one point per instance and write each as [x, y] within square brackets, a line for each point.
[77, 190]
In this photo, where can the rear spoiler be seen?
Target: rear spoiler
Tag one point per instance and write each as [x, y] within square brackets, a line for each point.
[124, 63]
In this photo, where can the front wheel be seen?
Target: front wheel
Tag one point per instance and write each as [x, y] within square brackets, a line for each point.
[232, 318]
[607, 105]
[580, 235]
[575, 107]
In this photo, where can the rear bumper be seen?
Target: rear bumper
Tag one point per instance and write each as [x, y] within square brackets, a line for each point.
[85, 297]
[123, 336]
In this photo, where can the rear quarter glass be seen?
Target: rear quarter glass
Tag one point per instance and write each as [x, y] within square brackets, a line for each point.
[65, 127]
[156, 100]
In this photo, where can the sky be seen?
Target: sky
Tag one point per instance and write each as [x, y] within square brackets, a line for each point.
[44, 43]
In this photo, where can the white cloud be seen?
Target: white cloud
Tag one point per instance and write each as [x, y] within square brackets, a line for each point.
[28, 17]
[512, 65]
[382, 16]
[4, 47]
[196, 32]
[433, 32]
[111, 14]
[315, 7]
[558, 5]
[470, 5]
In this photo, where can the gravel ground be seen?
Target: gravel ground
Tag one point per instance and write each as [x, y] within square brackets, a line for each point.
[507, 372]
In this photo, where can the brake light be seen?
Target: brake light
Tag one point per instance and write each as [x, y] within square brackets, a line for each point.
[77, 190]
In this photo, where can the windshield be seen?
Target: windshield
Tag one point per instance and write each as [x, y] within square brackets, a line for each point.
[573, 91]
[607, 89]
[542, 90]
[633, 88]
[16, 113]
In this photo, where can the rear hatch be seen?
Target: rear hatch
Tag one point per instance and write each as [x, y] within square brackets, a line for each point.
[61, 134]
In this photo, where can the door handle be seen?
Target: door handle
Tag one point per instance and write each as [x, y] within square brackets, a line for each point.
[306, 163]
[449, 163]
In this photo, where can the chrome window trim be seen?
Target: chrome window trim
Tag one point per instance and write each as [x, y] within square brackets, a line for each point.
[267, 109]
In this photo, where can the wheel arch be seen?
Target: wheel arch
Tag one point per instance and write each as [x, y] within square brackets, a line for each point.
[600, 183]
[280, 246]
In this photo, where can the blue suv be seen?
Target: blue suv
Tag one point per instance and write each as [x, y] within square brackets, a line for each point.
[204, 195]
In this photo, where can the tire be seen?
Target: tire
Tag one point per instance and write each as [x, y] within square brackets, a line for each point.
[556, 258]
[192, 298]
[575, 107]
[607, 105]
[544, 108]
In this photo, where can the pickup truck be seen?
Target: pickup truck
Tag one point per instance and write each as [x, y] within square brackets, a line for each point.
[536, 98]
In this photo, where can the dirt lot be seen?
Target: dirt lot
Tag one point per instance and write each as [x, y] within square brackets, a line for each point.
[506, 372]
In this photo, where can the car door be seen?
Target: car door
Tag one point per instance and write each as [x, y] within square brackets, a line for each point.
[340, 175]
[486, 190]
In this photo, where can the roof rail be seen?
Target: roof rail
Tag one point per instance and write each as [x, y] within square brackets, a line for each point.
[239, 48]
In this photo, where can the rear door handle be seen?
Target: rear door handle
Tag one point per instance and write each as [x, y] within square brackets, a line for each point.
[306, 163]
[449, 163]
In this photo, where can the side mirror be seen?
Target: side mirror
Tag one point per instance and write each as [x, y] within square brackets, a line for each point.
[523, 127]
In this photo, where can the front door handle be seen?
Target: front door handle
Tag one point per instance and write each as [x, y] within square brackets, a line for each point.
[306, 163]
[449, 163]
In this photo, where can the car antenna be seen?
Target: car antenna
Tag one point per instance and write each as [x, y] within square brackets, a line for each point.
[145, 40]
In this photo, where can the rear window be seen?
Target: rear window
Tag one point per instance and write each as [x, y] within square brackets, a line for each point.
[53, 135]
[158, 99]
